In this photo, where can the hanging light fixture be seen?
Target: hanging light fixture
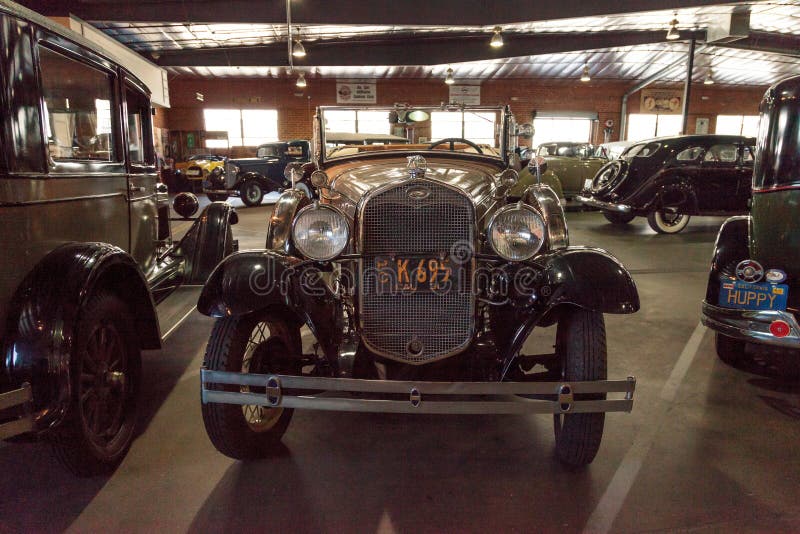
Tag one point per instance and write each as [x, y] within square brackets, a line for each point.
[449, 78]
[298, 50]
[585, 76]
[673, 34]
[709, 80]
[497, 38]
[301, 80]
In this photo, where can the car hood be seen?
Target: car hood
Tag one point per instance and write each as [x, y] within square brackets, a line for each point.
[353, 180]
[196, 163]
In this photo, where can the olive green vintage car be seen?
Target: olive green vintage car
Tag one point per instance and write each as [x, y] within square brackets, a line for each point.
[569, 164]
[753, 295]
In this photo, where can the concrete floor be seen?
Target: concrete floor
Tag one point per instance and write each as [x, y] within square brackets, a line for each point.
[707, 447]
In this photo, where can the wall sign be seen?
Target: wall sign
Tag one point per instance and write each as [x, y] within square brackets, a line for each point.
[356, 93]
[661, 101]
[701, 126]
[469, 95]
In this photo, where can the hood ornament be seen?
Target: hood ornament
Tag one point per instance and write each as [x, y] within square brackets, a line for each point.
[416, 166]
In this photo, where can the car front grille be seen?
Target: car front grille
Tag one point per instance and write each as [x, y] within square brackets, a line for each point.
[417, 220]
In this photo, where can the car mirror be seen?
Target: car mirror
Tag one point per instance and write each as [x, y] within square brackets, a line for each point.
[293, 171]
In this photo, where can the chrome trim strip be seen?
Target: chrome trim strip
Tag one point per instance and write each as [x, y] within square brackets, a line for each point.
[65, 199]
[610, 206]
[563, 400]
[751, 325]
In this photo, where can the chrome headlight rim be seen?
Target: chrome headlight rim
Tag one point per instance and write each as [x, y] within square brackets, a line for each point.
[317, 206]
[513, 207]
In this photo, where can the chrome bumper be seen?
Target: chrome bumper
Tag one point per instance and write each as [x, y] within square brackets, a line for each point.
[751, 325]
[18, 397]
[333, 394]
[609, 206]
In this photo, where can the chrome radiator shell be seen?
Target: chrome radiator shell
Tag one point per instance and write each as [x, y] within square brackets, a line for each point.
[434, 221]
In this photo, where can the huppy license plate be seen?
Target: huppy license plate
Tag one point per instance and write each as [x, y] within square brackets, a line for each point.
[411, 275]
[747, 296]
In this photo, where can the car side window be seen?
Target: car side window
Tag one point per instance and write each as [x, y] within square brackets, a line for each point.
[689, 154]
[723, 153]
[138, 126]
[78, 100]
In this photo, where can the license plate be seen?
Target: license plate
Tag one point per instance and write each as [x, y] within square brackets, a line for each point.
[747, 296]
[193, 172]
[412, 275]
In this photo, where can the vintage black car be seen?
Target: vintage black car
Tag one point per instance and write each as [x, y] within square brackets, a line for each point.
[421, 279]
[671, 178]
[90, 275]
[252, 178]
[753, 295]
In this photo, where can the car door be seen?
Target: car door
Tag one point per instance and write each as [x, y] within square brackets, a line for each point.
[719, 178]
[142, 176]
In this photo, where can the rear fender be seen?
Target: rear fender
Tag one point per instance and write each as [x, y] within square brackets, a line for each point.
[207, 242]
[677, 194]
[254, 281]
[731, 247]
[45, 310]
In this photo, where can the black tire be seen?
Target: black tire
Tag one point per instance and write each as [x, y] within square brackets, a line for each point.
[615, 217]
[729, 350]
[106, 375]
[581, 345]
[217, 197]
[664, 222]
[251, 193]
[255, 343]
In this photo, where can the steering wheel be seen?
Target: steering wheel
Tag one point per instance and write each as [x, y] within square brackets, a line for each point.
[453, 141]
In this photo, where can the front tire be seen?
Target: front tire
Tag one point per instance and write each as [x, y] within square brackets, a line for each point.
[252, 193]
[256, 343]
[106, 367]
[667, 222]
[581, 346]
[618, 218]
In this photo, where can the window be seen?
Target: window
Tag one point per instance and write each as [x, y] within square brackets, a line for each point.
[546, 130]
[645, 126]
[245, 127]
[721, 154]
[746, 125]
[478, 127]
[139, 136]
[357, 121]
[689, 154]
[77, 108]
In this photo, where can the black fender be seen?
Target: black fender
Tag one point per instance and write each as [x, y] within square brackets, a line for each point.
[731, 247]
[45, 310]
[589, 278]
[678, 194]
[270, 280]
[207, 242]
[279, 227]
[267, 184]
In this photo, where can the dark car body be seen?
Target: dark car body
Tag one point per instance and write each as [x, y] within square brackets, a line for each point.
[84, 226]
[684, 175]
[415, 309]
[252, 178]
[753, 294]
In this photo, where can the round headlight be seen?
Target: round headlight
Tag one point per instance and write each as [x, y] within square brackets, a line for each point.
[516, 232]
[320, 232]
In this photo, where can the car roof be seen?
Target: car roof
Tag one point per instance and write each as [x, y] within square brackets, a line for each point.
[699, 138]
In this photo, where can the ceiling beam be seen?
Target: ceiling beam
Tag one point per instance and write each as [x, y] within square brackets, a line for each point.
[775, 43]
[375, 12]
[410, 51]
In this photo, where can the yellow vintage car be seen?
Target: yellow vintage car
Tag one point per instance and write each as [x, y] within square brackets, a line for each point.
[190, 174]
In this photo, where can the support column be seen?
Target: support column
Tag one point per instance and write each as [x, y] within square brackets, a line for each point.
[687, 87]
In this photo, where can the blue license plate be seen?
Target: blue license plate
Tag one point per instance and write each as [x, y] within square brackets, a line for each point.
[746, 296]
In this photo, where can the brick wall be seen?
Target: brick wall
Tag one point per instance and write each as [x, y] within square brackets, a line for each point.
[296, 107]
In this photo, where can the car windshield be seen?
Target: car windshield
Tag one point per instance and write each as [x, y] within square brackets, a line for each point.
[567, 150]
[198, 157]
[269, 151]
[347, 131]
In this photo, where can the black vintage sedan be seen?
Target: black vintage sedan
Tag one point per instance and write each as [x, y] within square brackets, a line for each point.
[671, 178]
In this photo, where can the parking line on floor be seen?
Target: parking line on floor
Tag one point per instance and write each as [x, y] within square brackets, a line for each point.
[611, 502]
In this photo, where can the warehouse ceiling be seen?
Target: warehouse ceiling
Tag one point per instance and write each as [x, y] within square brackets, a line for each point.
[422, 39]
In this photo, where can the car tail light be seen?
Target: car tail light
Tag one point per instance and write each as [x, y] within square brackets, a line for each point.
[779, 328]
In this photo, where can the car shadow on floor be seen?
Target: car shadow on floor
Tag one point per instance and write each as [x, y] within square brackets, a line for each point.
[366, 472]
